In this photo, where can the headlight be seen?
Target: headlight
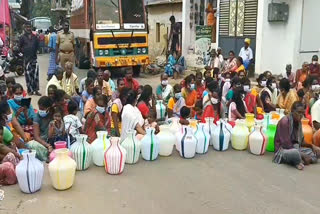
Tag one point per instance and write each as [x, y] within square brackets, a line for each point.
[139, 50]
[123, 51]
[144, 50]
[106, 52]
[100, 52]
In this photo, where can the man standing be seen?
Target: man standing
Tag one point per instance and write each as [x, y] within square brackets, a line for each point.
[65, 46]
[29, 45]
[174, 36]
[52, 44]
[246, 53]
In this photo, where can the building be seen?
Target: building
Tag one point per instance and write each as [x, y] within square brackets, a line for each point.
[293, 41]
[159, 12]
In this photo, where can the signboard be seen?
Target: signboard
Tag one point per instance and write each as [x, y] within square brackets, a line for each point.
[107, 26]
[203, 31]
[131, 26]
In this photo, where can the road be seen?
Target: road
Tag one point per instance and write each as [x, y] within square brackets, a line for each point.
[231, 182]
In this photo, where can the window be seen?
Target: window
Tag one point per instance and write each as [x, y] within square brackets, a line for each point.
[157, 32]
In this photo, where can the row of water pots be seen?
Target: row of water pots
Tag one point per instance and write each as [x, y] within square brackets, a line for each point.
[113, 155]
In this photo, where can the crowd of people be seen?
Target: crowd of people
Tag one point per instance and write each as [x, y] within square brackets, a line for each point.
[97, 103]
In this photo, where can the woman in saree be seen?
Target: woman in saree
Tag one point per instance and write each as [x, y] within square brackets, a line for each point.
[176, 102]
[287, 96]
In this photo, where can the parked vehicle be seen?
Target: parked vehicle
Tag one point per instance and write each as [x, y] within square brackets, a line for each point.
[13, 62]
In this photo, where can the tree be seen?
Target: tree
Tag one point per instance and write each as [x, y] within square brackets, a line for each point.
[43, 9]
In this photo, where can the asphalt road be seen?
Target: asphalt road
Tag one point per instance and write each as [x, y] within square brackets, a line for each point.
[231, 182]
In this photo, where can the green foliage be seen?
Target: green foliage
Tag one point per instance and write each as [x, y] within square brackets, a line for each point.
[43, 9]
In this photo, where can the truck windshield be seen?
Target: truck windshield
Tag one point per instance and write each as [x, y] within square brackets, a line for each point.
[107, 14]
[133, 14]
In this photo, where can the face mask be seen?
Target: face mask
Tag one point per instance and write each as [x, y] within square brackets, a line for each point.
[263, 83]
[227, 80]
[43, 113]
[9, 118]
[18, 97]
[100, 109]
[202, 82]
[274, 86]
[246, 88]
[164, 82]
[315, 87]
[214, 100]
[192, 86]
[242, 96]
[314, 62]
[178, 96]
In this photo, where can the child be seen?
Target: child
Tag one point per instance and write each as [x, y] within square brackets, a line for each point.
[184, 115]
[57, 130]
[175, 103]
[72, 122]
[198, 110]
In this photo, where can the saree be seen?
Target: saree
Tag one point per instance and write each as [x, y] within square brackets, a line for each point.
[287, 101]
[15, 107]
[170, 66]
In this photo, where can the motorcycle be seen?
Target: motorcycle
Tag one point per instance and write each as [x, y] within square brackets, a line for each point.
[13, 62]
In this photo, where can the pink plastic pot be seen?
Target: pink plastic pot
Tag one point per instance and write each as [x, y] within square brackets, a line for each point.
[59, 145]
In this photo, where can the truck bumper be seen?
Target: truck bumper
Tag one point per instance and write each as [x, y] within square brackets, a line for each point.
[121, 61]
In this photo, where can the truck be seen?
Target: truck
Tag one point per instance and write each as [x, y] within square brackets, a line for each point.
[110, 33]
[41, 23]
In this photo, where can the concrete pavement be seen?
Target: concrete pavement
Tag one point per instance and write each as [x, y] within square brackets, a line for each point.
[231, 182]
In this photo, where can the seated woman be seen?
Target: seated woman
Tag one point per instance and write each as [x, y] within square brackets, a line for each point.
[302, 75]
[176, 102]
[116, 109]
[148, 111]
[287, 95]
[98, 119]
[199, 85]
[185, 116]
[267, 94]
[41, 125]
[24, 112]
[188, 92]
[290, 147]
[250, 98]
[214, 109]
[240, 66]
[120, 86]
[87, 94]
[131, 118]
[90, 104]
[9, 159]
[10, 82]
[237, 107]
[235, 83]
[198, 109]
[164, 90]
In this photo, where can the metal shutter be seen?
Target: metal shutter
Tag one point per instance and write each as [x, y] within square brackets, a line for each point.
[224, 18]
[250, 17]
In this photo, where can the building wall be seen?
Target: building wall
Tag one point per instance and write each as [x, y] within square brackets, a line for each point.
[280, 43]
[161, 14]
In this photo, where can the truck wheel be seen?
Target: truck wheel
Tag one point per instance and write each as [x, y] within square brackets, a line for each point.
[136, 70]
[84, 63]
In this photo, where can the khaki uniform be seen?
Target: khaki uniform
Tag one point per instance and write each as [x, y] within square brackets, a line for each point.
[66, 47]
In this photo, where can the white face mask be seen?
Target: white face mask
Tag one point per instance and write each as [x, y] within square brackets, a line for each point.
[42, 113]
[315, 87]
[246, 88]
[214, 100]
[100, 109]
[227, 80]
[164, 82]
[192, 86]
[274, 85]
[314, 62]
[178, 96]
[18, 97]
[9, 118]
[263, 83]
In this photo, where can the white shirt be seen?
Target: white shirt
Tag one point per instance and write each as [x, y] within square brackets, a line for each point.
[246, 54]
[315, 113]
[1, 42]
[72, 124]
[130, 117]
